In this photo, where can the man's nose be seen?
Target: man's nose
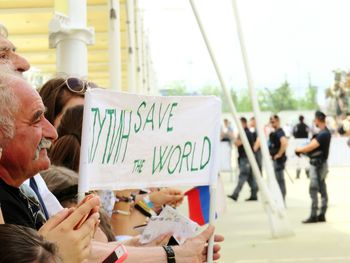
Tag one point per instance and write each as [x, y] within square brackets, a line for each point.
[20, 63]
[49, 131]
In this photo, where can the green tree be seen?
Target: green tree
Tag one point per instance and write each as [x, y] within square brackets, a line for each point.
[241, 102]
[211, 90]
[279, 99]
[309, 101]
[244, 103]
[177, 88]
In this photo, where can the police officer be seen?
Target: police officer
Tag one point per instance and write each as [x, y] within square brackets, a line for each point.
[301, 131]
[277, 146]
[318, 150]
[245, 170]
[256, 147]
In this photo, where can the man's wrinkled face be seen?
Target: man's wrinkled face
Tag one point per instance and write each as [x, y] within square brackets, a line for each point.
[9, 57]
[26, 153]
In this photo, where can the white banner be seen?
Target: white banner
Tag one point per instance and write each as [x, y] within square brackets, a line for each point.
[133, 141]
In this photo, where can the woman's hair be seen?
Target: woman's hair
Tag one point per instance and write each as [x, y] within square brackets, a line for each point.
[105, 225]
[66, 149]
[63, 183]
[55, 96]
[24, 245]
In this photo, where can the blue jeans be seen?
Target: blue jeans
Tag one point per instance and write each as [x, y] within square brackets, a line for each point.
[279, 172]
[318, 175]
[245, 175]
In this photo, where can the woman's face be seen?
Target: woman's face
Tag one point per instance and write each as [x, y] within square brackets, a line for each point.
[72, 102]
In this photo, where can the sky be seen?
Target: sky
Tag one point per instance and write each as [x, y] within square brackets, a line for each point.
[293, 40]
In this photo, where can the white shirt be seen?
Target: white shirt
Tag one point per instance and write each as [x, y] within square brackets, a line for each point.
[53, 206]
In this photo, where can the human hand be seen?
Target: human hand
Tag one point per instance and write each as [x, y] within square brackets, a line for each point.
[159, 241]
[297, 152]
[166, 196]
[276, 156]
[195, 249]
[73, 244]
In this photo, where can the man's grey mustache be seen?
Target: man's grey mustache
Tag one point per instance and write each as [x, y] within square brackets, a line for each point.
[44, 144]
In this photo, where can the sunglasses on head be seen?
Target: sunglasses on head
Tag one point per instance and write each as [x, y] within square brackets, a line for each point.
[77, 85]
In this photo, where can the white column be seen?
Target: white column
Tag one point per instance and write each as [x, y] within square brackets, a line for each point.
[115, 73]
[131, 45]
[70, 36]
[143, 61]
[138, 34]
[147, 68]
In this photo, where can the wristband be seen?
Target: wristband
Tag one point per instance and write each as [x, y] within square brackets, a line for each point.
[123, 199]
[143, 211]
[148, 202]
[170, 255]
[121, 212]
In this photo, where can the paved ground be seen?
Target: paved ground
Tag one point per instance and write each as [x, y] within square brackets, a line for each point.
[247, 232]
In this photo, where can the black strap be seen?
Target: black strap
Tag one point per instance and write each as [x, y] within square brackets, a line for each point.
[35, 188]
[170, 255]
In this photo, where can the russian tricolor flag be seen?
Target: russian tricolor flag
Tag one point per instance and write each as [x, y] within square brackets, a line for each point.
[199, 204]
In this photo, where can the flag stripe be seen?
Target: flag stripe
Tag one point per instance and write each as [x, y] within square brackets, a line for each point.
[199, 204]
[205, 202]
[195, 206]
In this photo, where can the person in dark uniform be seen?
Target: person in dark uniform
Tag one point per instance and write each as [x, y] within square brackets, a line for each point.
[245, 170]
[256, 147]
[301, 131]
[318, 150]
[277, 146]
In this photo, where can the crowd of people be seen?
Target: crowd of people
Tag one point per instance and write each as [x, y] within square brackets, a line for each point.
[40, 137]
[316, 149]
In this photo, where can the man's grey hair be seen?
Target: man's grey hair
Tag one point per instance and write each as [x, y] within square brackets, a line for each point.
[9, 106]
[9, 103]
[3, 31]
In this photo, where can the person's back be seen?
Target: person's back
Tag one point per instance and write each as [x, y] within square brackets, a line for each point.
[301, 130]
[251, 139]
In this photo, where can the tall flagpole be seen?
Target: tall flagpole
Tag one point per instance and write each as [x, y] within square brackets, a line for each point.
[237, 121]
[281, 226]
[268, 202]
[130, 12]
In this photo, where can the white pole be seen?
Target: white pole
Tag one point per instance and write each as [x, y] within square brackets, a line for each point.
[143, 61]
[130, 9]
[268, 202]
[281, 227]
[212, 211]
[147, 67]
[70, 36]
[115, 74]
[138, 34]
